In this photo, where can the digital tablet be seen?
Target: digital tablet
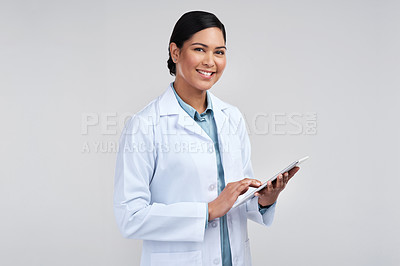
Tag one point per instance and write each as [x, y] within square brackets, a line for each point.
[250, 194]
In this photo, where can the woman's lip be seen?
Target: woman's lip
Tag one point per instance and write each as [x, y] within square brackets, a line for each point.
[205, 76]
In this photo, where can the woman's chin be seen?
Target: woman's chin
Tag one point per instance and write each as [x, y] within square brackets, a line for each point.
[206, 85]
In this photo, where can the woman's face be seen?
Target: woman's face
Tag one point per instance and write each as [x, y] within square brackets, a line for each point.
[201, 60]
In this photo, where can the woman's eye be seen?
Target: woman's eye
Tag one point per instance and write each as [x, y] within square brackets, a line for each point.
[220, 52]
[198, 49]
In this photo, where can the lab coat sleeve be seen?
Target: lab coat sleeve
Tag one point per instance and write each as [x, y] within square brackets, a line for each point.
[252, 209]
[137, 217]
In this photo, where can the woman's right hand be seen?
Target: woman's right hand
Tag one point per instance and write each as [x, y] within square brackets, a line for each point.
[224, 202]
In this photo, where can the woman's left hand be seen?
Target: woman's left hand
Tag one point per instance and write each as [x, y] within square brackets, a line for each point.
[269, 194]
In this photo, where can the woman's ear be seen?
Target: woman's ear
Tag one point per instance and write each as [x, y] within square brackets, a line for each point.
[174, 50]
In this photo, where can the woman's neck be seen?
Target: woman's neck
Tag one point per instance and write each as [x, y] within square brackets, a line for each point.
[192, 96]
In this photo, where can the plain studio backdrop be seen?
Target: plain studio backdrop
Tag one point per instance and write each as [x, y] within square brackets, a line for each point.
[317, 78]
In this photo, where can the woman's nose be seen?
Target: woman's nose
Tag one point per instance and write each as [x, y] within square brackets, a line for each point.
[208, 60]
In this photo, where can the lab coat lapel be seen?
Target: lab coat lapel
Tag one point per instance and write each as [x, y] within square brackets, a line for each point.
[222, 123]
[221, 119]
[169, 105]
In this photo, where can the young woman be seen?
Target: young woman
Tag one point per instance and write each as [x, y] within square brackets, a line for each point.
[185, 159]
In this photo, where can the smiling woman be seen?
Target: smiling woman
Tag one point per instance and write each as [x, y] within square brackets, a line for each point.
[179, 201]
[200, 63]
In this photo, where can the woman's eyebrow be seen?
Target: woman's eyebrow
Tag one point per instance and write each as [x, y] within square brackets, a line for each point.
[206, 46]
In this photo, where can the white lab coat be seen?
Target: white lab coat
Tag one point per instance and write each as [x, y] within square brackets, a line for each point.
[166, 173]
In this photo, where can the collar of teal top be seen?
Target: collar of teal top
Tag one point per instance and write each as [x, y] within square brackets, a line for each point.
[189, 109]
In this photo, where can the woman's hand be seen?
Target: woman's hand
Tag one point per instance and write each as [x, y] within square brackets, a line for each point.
[269, 194]
[224, 202]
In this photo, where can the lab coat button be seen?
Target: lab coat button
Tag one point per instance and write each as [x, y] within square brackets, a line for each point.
[211, 187]
[214, 224]
[216, 261]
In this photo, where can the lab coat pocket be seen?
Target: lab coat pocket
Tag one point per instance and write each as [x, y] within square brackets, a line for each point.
[192, 258]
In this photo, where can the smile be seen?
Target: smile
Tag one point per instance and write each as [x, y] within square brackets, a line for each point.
[206, 74]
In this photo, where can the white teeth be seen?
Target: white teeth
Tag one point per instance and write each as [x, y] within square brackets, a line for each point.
[205, 73]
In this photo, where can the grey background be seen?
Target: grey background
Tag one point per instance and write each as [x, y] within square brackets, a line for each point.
[62, 60]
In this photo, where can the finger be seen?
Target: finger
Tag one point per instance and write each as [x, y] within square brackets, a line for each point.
[244, 190]
[255, 183]
[243, 185]
[240, 185]
[252, 182]
[262, 191]
[270, 187]
[235, 189]
[293, 171]
[279, 183]
[285, 178]
[265, 190]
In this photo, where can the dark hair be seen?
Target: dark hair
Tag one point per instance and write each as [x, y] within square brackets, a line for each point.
[190, 23]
